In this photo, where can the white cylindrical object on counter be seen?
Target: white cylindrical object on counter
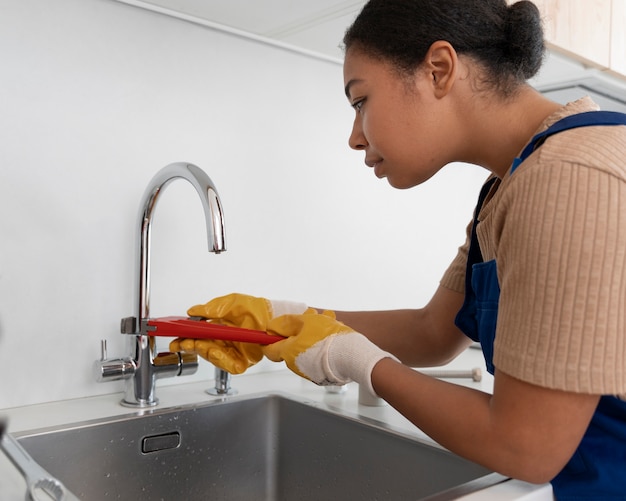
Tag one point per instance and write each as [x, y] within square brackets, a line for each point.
[366, 398]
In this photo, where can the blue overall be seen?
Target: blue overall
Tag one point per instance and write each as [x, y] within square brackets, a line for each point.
[597, 470]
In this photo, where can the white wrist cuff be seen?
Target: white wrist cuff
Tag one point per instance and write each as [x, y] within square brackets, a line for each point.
[341, 358]
[353, 356]
[280, 308]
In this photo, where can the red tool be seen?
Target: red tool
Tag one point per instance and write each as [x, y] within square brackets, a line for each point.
[188, 328]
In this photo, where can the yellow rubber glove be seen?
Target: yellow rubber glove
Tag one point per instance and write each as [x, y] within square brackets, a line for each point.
[231, 356]
[324, 350]
[239, 310]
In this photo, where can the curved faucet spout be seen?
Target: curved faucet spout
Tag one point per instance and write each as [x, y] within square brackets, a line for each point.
[213, 214]
[144, 367]
[141, 384]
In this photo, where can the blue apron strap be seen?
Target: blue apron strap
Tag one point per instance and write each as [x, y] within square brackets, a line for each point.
[466, 317]
[573, 121]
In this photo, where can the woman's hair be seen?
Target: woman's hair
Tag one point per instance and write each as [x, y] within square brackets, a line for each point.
[506, 40]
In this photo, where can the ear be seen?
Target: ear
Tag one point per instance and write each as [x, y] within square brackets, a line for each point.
[442, 63]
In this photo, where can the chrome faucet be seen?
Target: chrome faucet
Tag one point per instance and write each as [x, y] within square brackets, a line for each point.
[144, 366]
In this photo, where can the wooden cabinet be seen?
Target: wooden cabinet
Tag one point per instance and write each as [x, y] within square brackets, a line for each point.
[582, 27]
[591, 30]
[617, 61]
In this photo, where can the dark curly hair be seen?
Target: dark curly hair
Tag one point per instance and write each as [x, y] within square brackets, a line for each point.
[506, 40]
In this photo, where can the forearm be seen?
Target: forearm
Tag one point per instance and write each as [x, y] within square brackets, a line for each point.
[419, 337]
[434, 408]
[503, 432]
[403, 333]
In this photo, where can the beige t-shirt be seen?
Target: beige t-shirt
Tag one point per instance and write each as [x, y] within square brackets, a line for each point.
[557, 230]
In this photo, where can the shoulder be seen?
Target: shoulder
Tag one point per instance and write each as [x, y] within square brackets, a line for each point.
[567, 169]
[602, 148]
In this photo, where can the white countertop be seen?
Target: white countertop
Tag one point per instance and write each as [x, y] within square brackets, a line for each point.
[69, 411]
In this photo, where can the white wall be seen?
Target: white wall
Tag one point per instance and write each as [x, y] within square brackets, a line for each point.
[95, 97]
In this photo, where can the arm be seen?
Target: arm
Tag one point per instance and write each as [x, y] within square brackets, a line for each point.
[524, 431]
[420, 338]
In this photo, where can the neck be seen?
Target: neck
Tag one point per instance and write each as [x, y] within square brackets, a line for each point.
[505, 128]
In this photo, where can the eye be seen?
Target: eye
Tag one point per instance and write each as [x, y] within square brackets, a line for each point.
[358, 104]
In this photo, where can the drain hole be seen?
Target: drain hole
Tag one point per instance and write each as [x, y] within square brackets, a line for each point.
[162, 442]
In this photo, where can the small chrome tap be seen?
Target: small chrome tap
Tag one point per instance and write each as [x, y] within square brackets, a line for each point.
[144, 366]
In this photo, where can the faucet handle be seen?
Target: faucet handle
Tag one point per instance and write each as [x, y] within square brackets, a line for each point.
[103, 350]
[175, 363]
[114, 369]
[128, 325]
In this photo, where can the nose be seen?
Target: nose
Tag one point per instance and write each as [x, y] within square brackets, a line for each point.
[357, 140]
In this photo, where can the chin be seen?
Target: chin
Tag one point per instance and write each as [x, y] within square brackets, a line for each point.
[406, 182]
[400, 184]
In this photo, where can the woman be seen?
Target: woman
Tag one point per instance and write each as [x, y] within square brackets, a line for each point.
[543, 270]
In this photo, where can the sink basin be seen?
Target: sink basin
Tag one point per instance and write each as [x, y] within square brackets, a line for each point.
[268, 447]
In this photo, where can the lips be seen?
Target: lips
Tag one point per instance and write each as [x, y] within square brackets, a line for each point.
[372, 162]
[376, 165]
[378, 170]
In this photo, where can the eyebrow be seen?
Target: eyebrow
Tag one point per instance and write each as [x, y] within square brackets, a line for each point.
[349, 84]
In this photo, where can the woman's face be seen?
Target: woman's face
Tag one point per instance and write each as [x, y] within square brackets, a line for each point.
[398, 122]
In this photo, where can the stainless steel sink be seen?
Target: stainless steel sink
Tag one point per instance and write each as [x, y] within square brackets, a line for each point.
[270, 447]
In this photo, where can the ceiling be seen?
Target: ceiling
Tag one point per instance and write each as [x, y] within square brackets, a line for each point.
[316, 25]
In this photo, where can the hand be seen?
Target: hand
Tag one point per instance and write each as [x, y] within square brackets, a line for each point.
[238, 310]
[323, 350]
[231, 356]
